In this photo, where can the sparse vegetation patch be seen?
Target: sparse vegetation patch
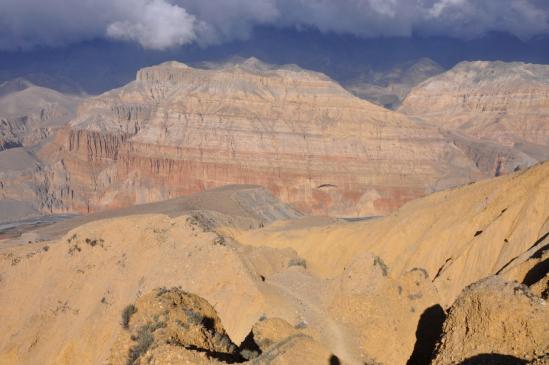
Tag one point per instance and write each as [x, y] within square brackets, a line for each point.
[161, 291]
[144, 340]
[74, 249]
[219, 241]
[379, 262]
[94, 242]
[194, 317]
[127, 315]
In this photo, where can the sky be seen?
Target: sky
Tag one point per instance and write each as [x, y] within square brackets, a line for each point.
[167, 24]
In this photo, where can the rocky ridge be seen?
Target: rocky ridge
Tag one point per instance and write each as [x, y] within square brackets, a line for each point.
[507, 103]
[177, 130]
[29, 113]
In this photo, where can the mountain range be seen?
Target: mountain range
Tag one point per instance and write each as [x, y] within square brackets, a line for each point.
[177, 130]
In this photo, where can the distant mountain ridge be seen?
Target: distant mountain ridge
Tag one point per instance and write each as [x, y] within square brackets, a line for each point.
[177, 130]
[29, 113]
[109, 65]
[507, 103]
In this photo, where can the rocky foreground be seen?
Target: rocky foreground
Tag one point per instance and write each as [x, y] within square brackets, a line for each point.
[457, 277]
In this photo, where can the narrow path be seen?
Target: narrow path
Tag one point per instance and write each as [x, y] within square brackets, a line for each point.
[332, 333]
[329, 328]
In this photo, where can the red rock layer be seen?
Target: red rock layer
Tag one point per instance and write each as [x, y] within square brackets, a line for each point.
[178, 130]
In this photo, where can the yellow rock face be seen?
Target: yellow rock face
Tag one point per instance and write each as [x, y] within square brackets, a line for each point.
[63, 304]
[74, 293]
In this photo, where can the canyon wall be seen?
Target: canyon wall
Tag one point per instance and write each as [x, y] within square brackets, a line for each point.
[177, 130]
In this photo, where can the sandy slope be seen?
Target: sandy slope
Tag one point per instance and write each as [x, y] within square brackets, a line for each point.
[458, 236]
[62, 304]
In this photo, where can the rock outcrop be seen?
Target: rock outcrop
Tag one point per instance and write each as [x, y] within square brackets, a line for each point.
[178, 130]
[167, 321]
[507, 103]
[495, 322]
[171, 326]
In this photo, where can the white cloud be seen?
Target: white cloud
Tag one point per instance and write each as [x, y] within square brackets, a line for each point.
[160, 24]
[155, 24]
[438, 8]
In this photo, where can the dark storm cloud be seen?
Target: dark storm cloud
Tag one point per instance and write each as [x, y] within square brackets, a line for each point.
[160, 24]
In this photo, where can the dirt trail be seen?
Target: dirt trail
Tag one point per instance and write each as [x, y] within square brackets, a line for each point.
[332, 334]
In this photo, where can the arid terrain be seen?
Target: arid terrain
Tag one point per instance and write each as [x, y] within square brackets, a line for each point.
[248, 213]
[234, 275]
[274, 182]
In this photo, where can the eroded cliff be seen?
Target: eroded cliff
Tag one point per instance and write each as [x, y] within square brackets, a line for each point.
[507, 103]
[177, 130]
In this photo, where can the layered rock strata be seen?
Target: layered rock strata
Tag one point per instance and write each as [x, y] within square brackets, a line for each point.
[503, 102]
[177, 130]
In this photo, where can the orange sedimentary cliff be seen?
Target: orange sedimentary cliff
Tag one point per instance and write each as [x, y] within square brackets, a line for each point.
[178, 130]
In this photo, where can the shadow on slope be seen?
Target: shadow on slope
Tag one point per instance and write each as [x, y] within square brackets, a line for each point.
[493, 359]
[536, 273]
[429, 330]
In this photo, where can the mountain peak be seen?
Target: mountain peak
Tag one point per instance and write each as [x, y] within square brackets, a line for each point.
[15, 85]
[167, 71]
